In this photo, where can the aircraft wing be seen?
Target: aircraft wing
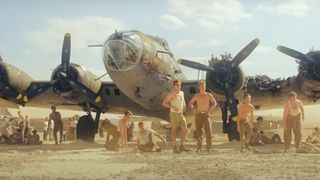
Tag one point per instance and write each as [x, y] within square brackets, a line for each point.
[113, 100]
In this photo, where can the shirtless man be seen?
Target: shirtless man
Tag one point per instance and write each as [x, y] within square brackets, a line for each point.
[293, 113]
[245, 122]
[58, 125]
[113, 144]
[205, 103]
[175, 101]
[123, 127]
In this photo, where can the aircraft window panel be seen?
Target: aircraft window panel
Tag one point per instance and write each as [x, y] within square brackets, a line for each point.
[123, 54]
[116, 92]
[107, 91]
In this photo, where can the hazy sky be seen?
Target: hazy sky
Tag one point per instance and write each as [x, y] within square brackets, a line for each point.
[31, 31]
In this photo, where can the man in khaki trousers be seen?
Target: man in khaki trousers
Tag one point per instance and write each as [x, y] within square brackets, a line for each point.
[205, 103]
[292, 115]
[245, 122]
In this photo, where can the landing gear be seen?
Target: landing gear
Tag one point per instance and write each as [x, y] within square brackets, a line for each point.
[229, 126]
[87, 128]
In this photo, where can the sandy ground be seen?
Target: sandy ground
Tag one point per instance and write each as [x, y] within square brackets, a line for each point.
[80, 160]
[85, 161]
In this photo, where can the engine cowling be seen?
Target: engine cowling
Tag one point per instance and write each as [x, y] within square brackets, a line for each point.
[223, 72]
[15, 77]
[309, 76]
[75, 73]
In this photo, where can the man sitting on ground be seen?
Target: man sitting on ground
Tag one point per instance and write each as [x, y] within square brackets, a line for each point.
[315, 137]
[145, 142]
[113, 144]
[34, 138]
[16, 138]
[259, 137]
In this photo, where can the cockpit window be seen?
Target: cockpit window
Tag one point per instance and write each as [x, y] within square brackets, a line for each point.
[123, 53]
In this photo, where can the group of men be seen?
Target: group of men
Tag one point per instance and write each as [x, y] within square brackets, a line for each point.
[205, 103]
[18, 131]
[201, 104]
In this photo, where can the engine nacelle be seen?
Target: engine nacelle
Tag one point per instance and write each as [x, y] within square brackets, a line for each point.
[309, 77]
[76, 73]
[223, 72]
[14, 77]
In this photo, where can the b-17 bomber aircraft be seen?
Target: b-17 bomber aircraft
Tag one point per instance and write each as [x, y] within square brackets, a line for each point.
[142, 68]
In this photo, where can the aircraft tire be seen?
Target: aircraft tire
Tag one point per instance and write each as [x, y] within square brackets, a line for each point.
[85, 129]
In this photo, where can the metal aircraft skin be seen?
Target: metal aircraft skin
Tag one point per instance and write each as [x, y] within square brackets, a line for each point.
[142, 68]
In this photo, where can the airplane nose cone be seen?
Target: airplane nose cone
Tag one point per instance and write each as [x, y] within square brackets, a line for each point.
[122, 54]
[119, 53]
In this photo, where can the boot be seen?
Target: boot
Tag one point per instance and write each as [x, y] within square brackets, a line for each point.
[175, 150]
[248, 146]
[242, 149]
[182, 148]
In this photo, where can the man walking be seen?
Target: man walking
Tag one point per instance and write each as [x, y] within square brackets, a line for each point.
[58, 125]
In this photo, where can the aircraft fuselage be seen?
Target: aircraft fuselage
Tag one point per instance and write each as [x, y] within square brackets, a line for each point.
[142, 66]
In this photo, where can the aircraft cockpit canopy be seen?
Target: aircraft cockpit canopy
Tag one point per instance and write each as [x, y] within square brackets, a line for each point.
[123, 51]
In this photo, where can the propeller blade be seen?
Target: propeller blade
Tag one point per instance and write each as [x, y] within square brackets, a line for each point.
[231, 100]
[66, 48]
[245, 52]
[295, 54]
[194, 65]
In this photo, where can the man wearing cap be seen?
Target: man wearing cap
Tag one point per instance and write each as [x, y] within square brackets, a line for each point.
[34, 138]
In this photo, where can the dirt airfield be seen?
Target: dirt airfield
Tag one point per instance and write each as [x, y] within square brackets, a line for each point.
[80, 160]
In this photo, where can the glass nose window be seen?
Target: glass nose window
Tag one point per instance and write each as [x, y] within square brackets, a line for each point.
[123, 54]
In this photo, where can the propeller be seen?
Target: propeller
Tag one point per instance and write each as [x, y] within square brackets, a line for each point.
[224, 73]
[66, 50]
[245, 52]
[194, 65]
[63, 74]
[65, 63]
[296, 54]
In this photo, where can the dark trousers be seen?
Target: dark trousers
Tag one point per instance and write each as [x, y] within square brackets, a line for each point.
[55, 131]
[45, 135]
[202, 121]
